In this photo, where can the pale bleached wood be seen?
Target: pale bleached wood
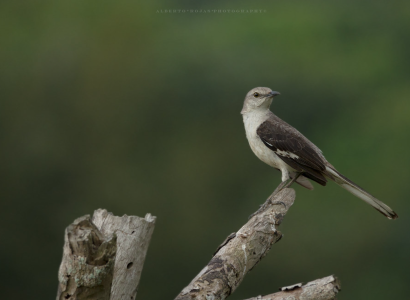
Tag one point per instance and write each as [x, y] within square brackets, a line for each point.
[241, 251]
[103, 256]
[321, 289]
[133, 237]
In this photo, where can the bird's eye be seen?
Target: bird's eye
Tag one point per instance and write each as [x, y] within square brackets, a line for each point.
[256, 95]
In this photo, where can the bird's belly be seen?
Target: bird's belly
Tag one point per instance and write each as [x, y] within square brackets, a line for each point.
[265, 154]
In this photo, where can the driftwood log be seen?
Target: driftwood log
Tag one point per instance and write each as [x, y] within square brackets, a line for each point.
[242, 250]
[103, 256]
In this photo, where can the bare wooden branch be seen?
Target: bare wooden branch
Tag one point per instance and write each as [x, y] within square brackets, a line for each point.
[321, 289]
[133, 237]
[240, 252]
[103, 256]
[87, 268]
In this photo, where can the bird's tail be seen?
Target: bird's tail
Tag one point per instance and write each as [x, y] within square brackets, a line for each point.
[356, 190]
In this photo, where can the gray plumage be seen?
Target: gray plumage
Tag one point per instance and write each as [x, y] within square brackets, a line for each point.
[283, 147]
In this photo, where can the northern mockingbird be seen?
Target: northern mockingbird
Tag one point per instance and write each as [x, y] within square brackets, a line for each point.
[281, 146]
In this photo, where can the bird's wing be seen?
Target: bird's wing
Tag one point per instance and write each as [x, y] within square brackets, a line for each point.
[293, 148]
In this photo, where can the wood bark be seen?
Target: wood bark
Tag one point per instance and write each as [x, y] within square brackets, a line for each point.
[321, 289]
[241, 251]
[103, 256]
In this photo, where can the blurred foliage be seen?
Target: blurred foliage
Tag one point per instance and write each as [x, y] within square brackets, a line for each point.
[111, 104]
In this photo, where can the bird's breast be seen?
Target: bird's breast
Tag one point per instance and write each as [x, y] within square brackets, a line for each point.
[252, 122]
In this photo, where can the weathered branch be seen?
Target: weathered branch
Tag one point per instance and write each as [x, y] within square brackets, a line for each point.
[103, 256]
[241, 251]
[320, 289]
[86, 270]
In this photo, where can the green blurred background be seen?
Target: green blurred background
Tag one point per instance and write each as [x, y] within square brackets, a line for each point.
[110, 104]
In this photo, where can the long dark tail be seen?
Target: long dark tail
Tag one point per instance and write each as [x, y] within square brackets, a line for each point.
[356, 190]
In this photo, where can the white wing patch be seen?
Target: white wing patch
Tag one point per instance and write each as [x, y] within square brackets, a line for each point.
[268, 143]
[286, 154]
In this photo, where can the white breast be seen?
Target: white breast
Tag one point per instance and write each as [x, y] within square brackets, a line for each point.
[252, 121]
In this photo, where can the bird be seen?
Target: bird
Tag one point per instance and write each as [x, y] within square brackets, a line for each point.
[284, 148]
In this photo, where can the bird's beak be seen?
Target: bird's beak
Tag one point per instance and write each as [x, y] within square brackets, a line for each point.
[273, 94]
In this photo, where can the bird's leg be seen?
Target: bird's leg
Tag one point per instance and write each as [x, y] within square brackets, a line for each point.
[283, 185]
[280, 186]
[286, 181]
[292, 181]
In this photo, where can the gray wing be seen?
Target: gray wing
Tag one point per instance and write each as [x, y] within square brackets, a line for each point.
[293, 148]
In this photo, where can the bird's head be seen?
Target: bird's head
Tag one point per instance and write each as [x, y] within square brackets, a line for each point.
[259, 98]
